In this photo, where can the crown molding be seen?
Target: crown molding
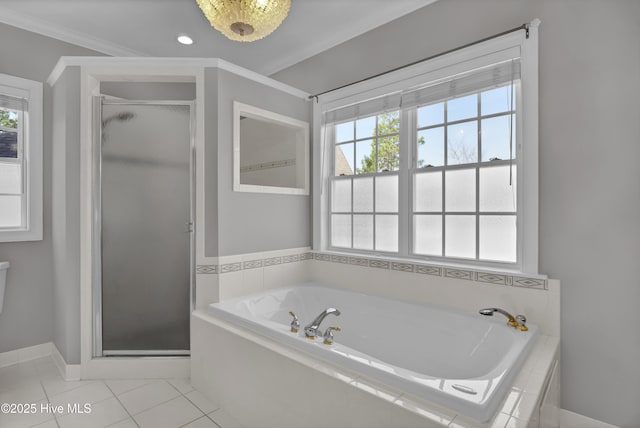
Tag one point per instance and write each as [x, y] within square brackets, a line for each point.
[339, 36]
[150, 66]
[35, 25]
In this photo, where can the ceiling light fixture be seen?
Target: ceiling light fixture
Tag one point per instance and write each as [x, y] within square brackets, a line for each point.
[185, 39]
[245, 20]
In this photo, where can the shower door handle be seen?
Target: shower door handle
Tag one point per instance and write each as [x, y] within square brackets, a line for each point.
[188, 227]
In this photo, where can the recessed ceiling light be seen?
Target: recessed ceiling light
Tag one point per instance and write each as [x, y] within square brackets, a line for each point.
[185, 39]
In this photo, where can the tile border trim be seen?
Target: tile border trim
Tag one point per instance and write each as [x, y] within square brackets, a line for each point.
[467, 274]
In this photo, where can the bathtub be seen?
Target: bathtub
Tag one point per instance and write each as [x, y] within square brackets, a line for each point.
[463, 362]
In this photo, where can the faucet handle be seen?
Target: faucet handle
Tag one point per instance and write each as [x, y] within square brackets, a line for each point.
[521, 321]
[328, 335]
[295, 323]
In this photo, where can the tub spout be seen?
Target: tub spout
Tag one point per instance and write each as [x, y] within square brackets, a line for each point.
[517, 322]
[313, 329]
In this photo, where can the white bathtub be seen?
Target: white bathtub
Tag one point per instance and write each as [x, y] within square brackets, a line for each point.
[463, 362]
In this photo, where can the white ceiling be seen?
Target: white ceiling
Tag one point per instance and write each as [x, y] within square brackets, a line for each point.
[150, 27]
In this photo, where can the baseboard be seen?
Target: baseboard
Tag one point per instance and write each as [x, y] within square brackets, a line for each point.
[575, 420]
[67, 371]
[21, 355]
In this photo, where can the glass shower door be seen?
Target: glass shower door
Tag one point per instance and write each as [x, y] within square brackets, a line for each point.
[145, 228]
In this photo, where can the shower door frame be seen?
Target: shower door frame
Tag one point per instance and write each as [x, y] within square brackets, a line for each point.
[96, 184]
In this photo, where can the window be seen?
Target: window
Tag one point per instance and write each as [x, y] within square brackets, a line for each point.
[437, 163]
[20, 159]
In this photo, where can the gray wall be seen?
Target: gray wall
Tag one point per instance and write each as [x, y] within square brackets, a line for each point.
[589, 175]
[182, 91]
[28, 314]
[251, 222]
[65, 207]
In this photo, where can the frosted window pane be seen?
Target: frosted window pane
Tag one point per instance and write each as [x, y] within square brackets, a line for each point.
[431, 147]
[344, 132]
[460, 233]
[11, 178]
[366, 127]
[496, 100]
[387, 194]
[462, 143]
[363, 194]
[498, 238]
[387, 233]
[495, 192]
[428, 235]
[363, 232]
[365, 156]
[388, 153]
[495, 138]
[428, 191]
[430, 115]
[10, 211]
[341, 230]
[460, 188]
[341, 196]
[344, 159]
[462, 108]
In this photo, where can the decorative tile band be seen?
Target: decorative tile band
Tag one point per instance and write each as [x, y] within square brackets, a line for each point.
[465, 274]
[253, 264]
[417, 268]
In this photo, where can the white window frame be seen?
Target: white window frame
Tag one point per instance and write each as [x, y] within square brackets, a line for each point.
[470, 58]
[30, 157]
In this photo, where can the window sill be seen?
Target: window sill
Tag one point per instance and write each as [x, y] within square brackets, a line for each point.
[447, 270]
[17, 235]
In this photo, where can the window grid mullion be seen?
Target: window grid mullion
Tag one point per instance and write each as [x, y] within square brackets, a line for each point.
[479, 144]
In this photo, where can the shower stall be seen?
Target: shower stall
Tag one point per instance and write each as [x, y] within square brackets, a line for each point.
[142, 227]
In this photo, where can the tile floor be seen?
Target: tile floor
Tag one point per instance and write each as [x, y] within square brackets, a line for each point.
[131, 403]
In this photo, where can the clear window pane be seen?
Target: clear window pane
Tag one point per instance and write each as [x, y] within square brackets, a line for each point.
[8, 118]
[431, 147]
[341, 196]
[11, 178]
[366, 127]
[496, 100]
[495, 138]
[388, 123]
[8, 144]
[462, 143]
[344, 132]
[460, 194]
[496, 194]
[462, 108]
[387, 194]
[388, 153]
[498, 238]
[341, 230]
[430, 115]
[344, 159]
[428, 191]
[460, 233]
[363, 232]
[387, 233]
[427, 235]
[363, 194]
[10, 211]
[365, 156]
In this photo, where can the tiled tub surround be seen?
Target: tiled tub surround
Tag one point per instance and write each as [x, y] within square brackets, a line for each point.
[267, 384]
[430, 352]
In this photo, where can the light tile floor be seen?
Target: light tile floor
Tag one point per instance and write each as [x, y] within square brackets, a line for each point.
[37, 391]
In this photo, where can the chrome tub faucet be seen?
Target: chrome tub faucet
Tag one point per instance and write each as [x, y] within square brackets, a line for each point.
[312, 330]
